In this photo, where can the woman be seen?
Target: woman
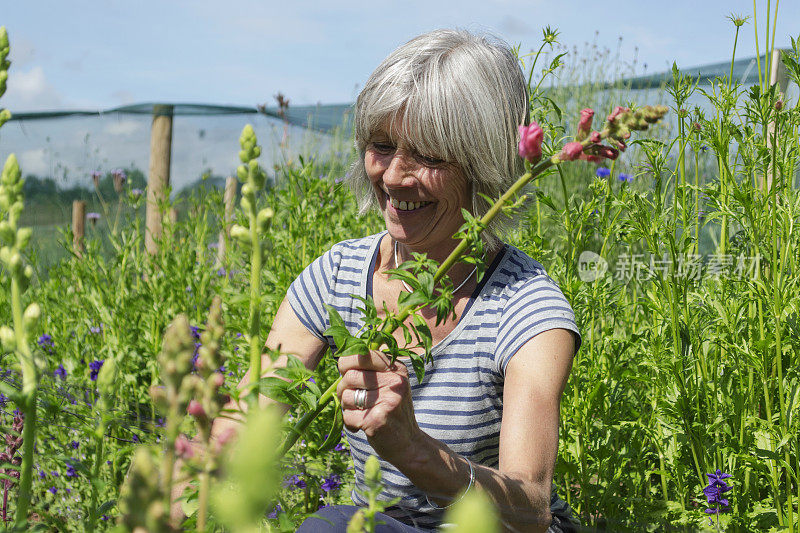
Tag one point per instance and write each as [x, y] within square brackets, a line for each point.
[436, 125]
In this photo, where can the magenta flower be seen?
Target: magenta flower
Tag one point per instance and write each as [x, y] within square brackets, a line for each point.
[530, 142]
[585, 124]
[571, 151]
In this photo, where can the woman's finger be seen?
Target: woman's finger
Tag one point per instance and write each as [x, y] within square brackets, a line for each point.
[348, 399]
[374, 360]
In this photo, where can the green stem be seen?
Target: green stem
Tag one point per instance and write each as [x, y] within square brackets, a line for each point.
[98, 462]
[255, 299]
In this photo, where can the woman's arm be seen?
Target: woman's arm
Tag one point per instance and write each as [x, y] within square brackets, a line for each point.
[287, 335]
[521, 486]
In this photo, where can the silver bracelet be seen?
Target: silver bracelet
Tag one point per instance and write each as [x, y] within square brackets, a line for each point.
[469, 486]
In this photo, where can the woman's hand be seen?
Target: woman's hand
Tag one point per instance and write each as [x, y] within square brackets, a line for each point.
[388, 414]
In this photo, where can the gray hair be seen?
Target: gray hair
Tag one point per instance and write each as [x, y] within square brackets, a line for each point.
[458, 97]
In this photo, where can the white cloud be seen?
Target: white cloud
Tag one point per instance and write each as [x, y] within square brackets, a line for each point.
[34, 162]
[30, 91]
[123, 128]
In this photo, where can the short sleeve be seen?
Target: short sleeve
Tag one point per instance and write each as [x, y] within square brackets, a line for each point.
[309, 293]
[537, 305]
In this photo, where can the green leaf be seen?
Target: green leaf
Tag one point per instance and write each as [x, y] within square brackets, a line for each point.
[419, 366]
[333, 317]
[413, 299]
[335, 431]
[353, 346]
[275, 388]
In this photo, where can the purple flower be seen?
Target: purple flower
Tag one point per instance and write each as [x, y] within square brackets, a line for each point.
[74, 444]
[135, 438]
[53, 490]
[603, 172]
[626, 177]
[45, 342]
[95, 367]
[71, 471]
[714, 492]
[275, 511]
[340, 447]
[332, 482]
[42, 474]
[94, 217]
[96, 329]
[60, 372]
[294, 482]
[3, 399]
[136, 192]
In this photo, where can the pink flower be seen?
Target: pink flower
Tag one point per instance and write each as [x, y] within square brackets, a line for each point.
[617, 112]
[530, 142]
[585, 124]
[183, 448]
[195, 409]
[594, 137]
[571, 151]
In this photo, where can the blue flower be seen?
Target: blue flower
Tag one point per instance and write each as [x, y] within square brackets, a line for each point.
[275, 511]
[340, 448]
[332, 482]
[42, 474]
[95, 367]
[74, 444]
[603, 172]
[71, 470]
[53, 490]
[626, 177]
[45, 342]
[3, 399]
[714, 492]
[96, 329]
[294, 482]
[60, 372]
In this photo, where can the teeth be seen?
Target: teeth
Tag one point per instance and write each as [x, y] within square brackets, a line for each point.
[402, 205]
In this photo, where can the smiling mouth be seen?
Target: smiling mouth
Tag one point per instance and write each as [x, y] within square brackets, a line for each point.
[402, 205]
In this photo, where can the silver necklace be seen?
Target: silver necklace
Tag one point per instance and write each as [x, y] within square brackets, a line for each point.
[409, 289]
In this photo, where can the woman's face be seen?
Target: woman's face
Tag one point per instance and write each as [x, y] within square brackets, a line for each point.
[420, 197]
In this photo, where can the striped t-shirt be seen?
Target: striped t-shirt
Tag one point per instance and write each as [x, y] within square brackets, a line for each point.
[460, 400]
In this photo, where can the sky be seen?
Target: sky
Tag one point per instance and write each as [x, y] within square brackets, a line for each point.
[100, 54]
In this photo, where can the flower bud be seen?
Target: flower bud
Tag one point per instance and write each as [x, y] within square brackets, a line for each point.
[241, 173]
[241, 234]
[619, 110]
[697, 127]
[778, 105]
[217, 380]
[357, 522]
[372, 471]
[11, 173]
[183, 448]
[6, 231]
[530, 142]
[571, 151]
[31, 315]
[8, 339]
[264, 219]
[594, 137]
[195, 409]
[23, 237]
[584, 124]
[5, 116]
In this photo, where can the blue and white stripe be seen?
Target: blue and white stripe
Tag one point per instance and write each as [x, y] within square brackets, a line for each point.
[460, 400]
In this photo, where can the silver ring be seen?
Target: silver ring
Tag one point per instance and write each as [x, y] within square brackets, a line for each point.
[360, 400]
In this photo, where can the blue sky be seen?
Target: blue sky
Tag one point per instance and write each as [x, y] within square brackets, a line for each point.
[99, 54]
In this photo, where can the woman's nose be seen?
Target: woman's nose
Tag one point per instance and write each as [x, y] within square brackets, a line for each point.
[400, 170]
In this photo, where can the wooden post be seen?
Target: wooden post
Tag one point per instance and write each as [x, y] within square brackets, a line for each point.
[779, 77]
[78, 226]
[158, 178]
[224, 234]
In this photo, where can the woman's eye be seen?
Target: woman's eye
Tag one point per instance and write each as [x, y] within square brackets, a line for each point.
[382, 148]
[431, 161]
